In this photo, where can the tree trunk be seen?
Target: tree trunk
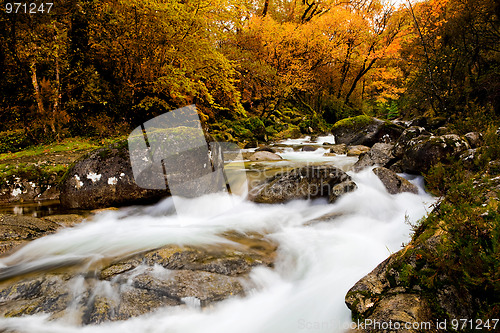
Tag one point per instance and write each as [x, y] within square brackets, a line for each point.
[36, 87]
[57, 98]
[345, 68]
[434, 88]
[362, 72]
[266, 8]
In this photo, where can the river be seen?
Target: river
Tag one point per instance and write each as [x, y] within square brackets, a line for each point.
[317, 261]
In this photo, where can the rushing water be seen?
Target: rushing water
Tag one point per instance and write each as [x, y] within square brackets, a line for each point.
[317, 262]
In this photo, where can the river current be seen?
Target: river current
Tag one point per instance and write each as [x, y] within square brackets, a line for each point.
[324, 249]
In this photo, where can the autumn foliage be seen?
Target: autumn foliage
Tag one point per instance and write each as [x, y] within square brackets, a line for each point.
[100, 67]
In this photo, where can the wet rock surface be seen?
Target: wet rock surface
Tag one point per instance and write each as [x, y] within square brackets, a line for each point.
[304, 183]
[339, 149]
[170, 276]
[394, 183]
[392, 293]
[18, 230]
[380, 154]
[357, 150]
[264, 155]
[364, 130]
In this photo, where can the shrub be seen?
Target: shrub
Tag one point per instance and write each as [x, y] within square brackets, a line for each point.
[12, 141]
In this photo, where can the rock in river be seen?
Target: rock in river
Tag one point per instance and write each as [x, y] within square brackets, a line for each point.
[264, 156]
[364, 130]
[357, 150]
[304, 183]
[379, 154]
[105, 178]
[394, 183]
[17, 230]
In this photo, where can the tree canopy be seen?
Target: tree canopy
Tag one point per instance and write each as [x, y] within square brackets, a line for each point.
[100, 67]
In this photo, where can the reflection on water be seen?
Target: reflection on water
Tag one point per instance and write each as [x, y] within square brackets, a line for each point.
[35, 209]
[39, 209]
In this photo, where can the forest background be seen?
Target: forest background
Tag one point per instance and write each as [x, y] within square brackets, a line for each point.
[257, 70]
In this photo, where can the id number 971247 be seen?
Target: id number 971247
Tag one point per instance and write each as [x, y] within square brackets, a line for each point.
[28, 7]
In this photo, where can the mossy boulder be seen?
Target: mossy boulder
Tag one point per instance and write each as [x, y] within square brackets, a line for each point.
[247, 129]
[406, 140]
[291, 132]
[405, 288]
[365, 130]
[29, 181]
[105, 177]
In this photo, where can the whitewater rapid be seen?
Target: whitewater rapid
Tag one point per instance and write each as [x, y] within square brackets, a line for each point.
[319, 259]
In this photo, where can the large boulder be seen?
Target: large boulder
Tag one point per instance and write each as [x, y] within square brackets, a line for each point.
[104, 178]
[304, 183]
[364, 130]
[379, 154]
[375, 298]
[394, 183]
[423, 152]
[405, 140]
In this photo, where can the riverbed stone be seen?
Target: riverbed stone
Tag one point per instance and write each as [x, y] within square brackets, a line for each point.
[339, 149]
[178, 284]
[264, 156]
[357, 150]
[170, 276]
[309, 148]
[266, 148]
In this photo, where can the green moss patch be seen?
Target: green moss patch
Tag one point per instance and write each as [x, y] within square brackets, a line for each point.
[353, 122]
